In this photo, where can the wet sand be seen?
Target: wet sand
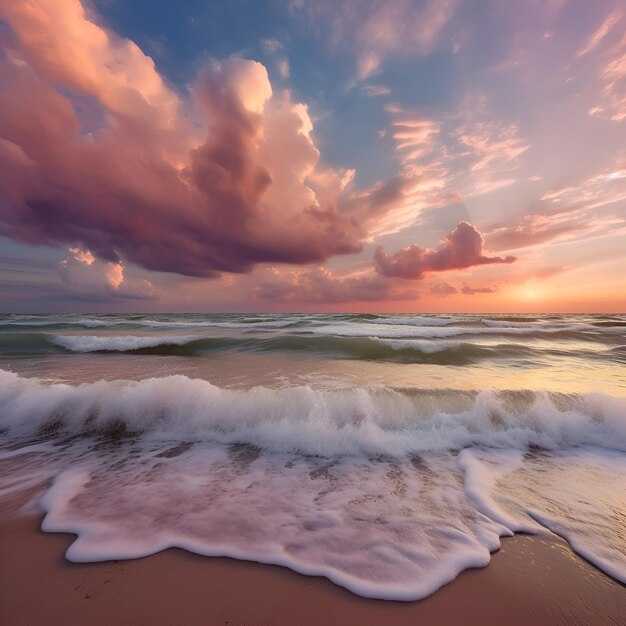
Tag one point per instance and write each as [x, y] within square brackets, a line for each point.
[530, 580]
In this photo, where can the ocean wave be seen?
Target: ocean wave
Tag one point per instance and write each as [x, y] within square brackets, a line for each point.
[142, 322]
[419, 320]
[570, 331]
[458, 351]
[392, 350]
[368, 420]
[514, 323]
[427, 346]
[118, 343]
[443, 352]
[425, 326]
[64, 323]
[235, 325]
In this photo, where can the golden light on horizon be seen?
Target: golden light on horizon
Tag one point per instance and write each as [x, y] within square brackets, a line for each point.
[530, 290]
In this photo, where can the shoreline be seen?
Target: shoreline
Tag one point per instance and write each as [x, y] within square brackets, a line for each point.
[530, 579]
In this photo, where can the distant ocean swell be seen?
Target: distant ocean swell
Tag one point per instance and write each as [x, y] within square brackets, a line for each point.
[452, 349]
[306, 321]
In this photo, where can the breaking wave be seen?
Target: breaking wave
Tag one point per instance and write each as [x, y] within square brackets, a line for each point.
[368, 420]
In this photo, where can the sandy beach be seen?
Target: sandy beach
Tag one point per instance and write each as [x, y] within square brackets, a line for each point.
[530, 580]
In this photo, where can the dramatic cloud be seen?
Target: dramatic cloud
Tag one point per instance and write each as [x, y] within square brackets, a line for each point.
[91, 279]
[381, 28]
[98, 151]
[426, 115]
[321, 286]
[459, 249]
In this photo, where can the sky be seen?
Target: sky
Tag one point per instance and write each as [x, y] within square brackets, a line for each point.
[310, 155]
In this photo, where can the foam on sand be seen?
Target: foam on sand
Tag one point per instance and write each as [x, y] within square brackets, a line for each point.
[390, 528]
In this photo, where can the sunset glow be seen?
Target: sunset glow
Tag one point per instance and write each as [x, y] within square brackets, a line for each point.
[388, 156]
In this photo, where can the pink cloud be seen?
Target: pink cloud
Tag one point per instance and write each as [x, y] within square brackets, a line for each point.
[494, 145]
[607, 49]
[321, 286]
[532, 230]
[602, 31]
[446, 159]
[459, 249]
[470, 291]
[588, 208]
[221, 180]
[88, 278]
[442, 289]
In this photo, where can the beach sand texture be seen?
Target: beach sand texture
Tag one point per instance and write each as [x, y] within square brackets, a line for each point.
[530, 580]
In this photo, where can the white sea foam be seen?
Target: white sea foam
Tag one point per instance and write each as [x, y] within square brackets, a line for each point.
[434, 332]
[483, 469]
[351, 421]
[521, 324]
[234, 325]
[380, 529]
[384, 528]
[418, 320]
[422, 345]
[118, 343]
[577, 494]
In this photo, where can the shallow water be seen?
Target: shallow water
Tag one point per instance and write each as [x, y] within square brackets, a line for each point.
[387, 453]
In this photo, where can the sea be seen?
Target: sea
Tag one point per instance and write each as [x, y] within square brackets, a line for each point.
[387, 453]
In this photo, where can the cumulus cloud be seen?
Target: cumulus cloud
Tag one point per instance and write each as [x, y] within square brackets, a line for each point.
[91, 279]
[459, 249]
[219, 180]
[322, 287]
